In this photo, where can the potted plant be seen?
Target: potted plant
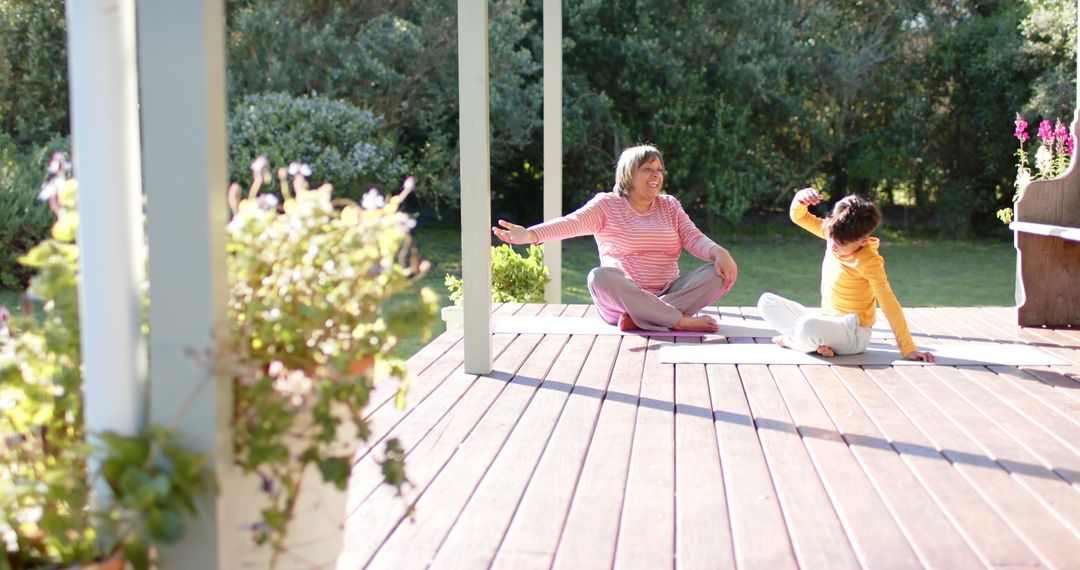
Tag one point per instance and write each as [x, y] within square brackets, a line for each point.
[314, 317]
[50, 513]
[514, 279]
[316, 306]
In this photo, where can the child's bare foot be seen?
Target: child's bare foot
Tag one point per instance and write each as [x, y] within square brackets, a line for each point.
[826, 351]
[779, 341]
[626, 323]
[701, 323]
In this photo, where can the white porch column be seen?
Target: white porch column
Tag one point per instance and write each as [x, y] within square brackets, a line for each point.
[105, 148]
[553, 141]
[475, 182]
[182, 71]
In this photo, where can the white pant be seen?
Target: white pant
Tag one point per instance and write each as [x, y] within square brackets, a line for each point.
[806, 329]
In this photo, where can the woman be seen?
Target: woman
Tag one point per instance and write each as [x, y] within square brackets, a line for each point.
[640, 234]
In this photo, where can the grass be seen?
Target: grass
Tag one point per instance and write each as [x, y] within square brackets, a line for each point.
[924, 272]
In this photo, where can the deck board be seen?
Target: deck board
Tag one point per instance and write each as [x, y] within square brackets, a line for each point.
[702, 528]
[582, 451]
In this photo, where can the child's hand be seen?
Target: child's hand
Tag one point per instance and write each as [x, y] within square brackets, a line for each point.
[921, 356]
[808, 197]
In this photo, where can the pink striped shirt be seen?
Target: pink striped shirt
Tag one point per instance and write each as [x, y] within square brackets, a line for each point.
[645, 247]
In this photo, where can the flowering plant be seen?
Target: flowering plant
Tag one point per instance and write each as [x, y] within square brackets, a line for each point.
[316, 311]
[46, 513]
[1052, 158]
[314, 315]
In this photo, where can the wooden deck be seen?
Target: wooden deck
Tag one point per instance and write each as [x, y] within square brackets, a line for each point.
[586, 452]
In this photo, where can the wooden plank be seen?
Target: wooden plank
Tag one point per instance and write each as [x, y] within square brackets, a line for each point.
[1050, 274]
[935, 539]
[996, 543]
[875, 536]
[702, 529]
[414, 544]
[995, 442]
[874, 533]
[588, 540]
[445, 422]
[758, 531]
[1036, 399]
[533, 533]
[433, 393]
[475, 536]
[972, 385]
[432, 352]
[1063, 232]
[459, 475]
[649, 501]
[816, 532]
[1038, 526]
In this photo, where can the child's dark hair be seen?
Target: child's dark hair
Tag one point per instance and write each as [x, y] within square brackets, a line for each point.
[852, 219]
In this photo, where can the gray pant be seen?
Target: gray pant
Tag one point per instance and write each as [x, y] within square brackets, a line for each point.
[615, 294]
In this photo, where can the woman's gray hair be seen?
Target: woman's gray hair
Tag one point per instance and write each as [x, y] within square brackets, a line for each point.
[629, 161]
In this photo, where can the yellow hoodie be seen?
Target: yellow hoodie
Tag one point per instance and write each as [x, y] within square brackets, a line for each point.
[857, 283]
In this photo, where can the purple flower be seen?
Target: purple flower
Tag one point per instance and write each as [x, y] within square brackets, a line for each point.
[1046, 131]
[1021, 129]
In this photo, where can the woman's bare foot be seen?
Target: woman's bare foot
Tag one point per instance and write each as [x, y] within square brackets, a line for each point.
[626, 323]
[701, 323]
[778, 340]
[826, 351]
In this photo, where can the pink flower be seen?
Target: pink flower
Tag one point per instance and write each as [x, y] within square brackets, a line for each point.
[1021, 129]
[1059, 131]
[1046, 132]
[1070, 144]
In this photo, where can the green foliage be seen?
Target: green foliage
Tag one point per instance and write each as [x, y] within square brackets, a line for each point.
[514, 278]
[398, 59]
[335, 138]
[33, 70]
[46, 516]
[312, 329]
[23, 221]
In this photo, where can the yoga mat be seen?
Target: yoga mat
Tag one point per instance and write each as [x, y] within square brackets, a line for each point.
[592, 326]
[877, 354]
[730, 328]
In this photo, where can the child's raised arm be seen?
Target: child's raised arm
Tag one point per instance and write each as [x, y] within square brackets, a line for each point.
[800, 213]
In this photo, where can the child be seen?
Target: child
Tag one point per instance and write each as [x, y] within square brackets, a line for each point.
[853, 283]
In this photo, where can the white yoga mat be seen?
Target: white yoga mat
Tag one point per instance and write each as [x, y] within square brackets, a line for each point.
[730, 328]
[877, 354]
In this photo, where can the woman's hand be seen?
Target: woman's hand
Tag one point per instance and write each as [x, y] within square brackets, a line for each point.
[921, 356]
[514, 234]
[725, 267]
[808, 197]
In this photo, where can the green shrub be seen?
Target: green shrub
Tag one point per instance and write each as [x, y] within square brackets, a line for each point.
[33, 70]
[514, 278]
[24, 221]
[337, 140]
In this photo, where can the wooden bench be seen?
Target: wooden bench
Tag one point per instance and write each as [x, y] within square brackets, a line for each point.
[1047, 238]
